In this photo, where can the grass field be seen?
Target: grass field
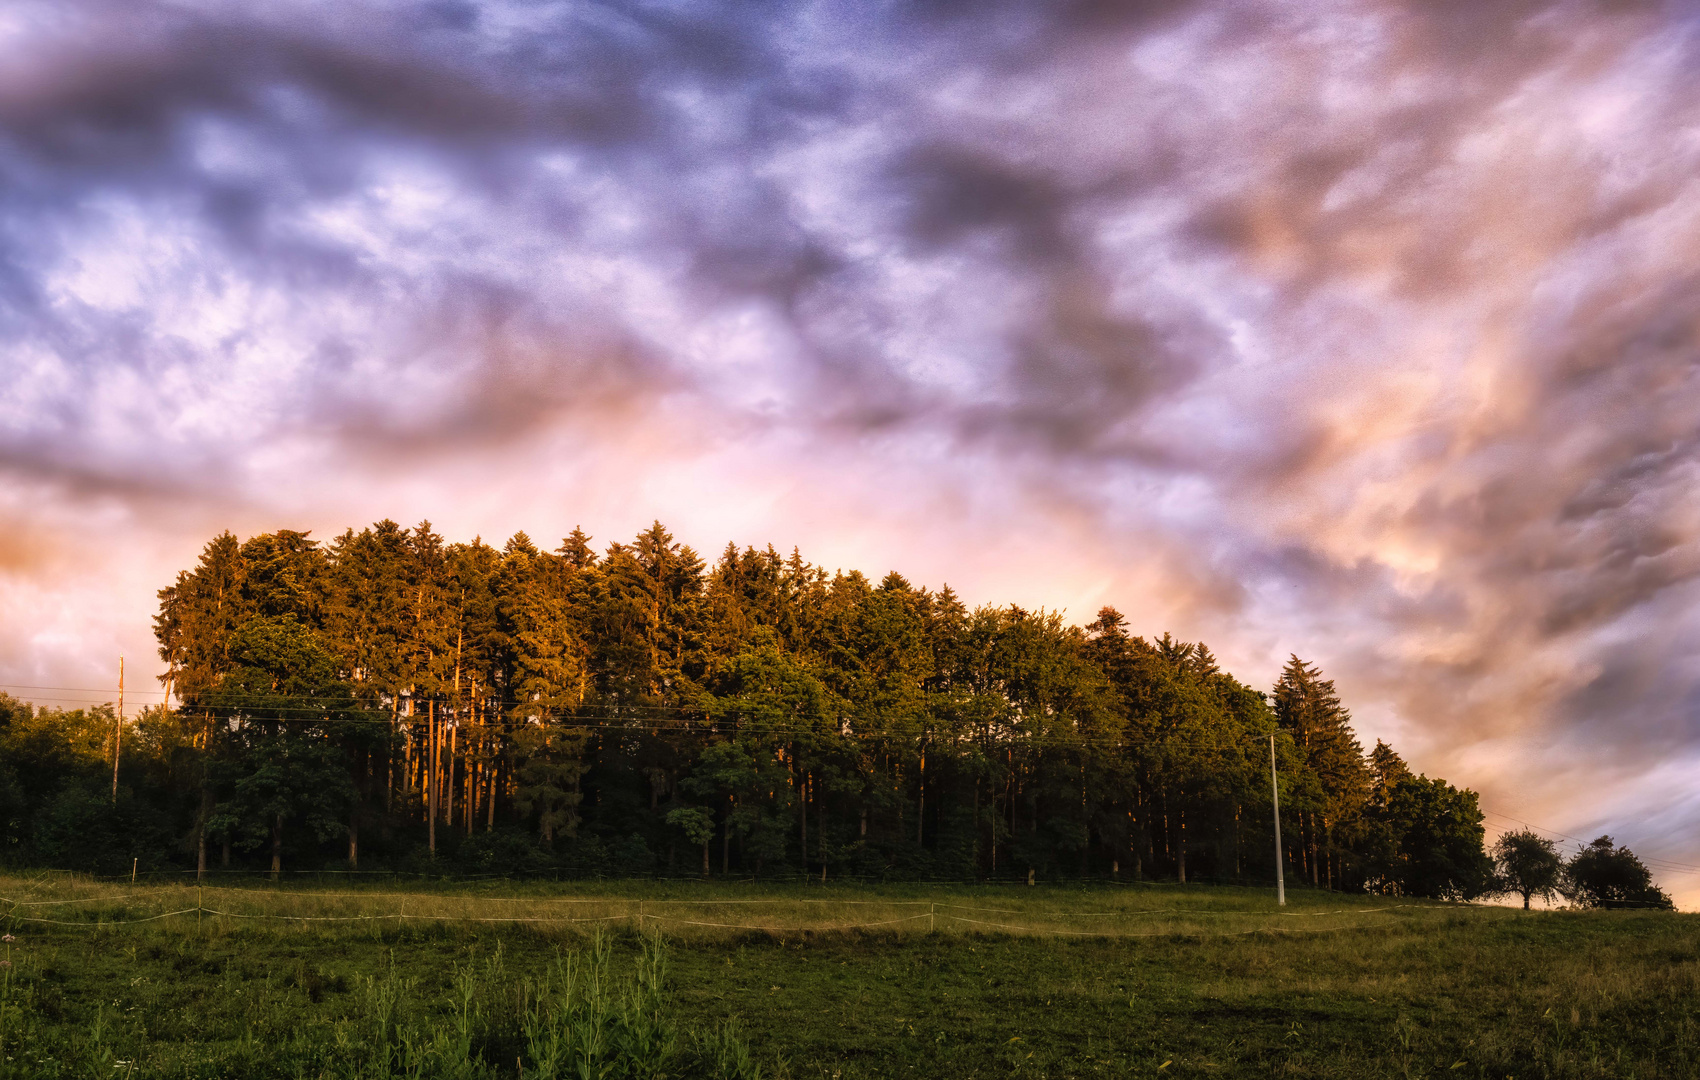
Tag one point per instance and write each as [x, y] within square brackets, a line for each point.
[334, 980]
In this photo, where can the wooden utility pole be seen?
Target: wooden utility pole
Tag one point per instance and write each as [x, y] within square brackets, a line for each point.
[117, 730]
[431, 740]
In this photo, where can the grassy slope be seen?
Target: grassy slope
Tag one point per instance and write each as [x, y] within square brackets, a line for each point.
[1370, 992]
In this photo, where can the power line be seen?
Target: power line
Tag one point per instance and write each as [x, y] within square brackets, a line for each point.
[76, 689]
[701, 720]
[1653, 861]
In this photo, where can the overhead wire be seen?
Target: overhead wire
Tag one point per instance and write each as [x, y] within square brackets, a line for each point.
[602, 717]
[1654, 862]
[640, 911]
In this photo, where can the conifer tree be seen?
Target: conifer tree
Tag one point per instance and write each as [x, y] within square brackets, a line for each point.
[614, 706]
[1308, 707]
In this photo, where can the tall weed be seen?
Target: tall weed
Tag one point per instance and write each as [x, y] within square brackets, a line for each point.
[582, 1022]
[576, 1020]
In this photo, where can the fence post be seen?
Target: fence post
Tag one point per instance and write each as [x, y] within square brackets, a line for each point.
[930, 922]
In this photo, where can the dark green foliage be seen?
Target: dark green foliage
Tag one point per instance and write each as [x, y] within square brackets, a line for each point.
[395, 698]
[281, 746]
[1434, 834]
[1604, 875]
[80, 828]
[1329, 799]
[1528, 865]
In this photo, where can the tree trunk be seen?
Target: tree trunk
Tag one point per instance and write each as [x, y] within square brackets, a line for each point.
[354, 838]
[1085, 822]
[1236, 843]
[432, 740]
[389, 765]
[277, 847]
[1136, 846]
[976, 852]
[449, 778]
[705, 858]
[407, 751]
[921, 803]
[201, 832]
[1180, 844]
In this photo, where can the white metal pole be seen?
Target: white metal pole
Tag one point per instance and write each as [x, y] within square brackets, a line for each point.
[1275, 797]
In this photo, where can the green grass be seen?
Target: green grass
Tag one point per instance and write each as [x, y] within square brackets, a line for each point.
[1070, 982]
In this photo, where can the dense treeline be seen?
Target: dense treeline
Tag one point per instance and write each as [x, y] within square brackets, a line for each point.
[390, 699]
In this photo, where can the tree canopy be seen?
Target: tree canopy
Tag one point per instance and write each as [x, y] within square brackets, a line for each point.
[1602, 874]
[391, 696]
[1528, 865]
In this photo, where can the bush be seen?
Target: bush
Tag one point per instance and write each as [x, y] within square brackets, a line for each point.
[504, 851]
[81, 829]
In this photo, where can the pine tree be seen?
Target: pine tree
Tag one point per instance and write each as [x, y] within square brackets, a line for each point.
[834, 720]
[1308, 707]
[199, 615]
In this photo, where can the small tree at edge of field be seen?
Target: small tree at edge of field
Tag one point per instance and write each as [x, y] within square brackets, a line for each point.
[1528, 864]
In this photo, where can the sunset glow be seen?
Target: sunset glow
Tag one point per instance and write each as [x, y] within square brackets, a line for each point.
[1353, 329]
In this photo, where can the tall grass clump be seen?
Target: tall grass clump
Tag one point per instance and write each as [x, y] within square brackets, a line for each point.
[578, 1019]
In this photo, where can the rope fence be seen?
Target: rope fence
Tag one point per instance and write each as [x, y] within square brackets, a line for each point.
[641, 914]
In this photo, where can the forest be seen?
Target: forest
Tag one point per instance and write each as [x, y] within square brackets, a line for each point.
[390, 700]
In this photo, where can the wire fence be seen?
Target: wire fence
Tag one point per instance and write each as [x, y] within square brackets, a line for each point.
[598, 874]
[791, 915]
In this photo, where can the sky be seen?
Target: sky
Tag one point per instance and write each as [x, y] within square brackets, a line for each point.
[1353, 329]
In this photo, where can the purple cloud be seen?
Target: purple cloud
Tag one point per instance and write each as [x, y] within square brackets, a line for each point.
[1358, 329]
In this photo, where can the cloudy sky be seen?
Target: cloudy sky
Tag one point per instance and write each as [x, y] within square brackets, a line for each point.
[1358, 329]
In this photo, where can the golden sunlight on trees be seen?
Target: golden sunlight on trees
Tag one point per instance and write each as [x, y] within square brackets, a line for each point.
[390, 696]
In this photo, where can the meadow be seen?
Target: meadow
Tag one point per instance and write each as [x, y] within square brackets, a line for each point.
[326, 977]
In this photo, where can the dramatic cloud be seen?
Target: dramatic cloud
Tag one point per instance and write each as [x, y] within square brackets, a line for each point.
[1365, 330]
